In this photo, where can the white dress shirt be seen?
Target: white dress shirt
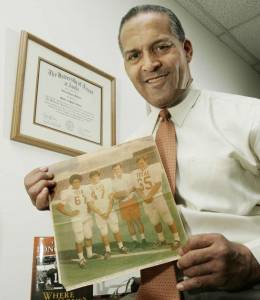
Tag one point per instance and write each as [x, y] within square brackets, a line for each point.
[218, 164]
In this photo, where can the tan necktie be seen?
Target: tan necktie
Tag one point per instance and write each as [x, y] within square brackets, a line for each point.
[159, 282]
[166, 144]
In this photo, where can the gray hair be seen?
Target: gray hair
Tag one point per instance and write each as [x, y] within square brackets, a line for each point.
[175, 24]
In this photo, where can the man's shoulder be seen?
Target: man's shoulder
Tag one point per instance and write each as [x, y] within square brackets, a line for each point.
[85, 188]
[229, 107]
[107, 182]
[66, 192]
[155, 167]
[126, 176]
[226, 98]
[135, 171]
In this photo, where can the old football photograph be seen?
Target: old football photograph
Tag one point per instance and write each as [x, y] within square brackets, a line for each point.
[113, 213]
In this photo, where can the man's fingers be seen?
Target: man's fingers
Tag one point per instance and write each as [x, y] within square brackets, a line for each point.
[195, 257]
[43, 169]
[37, 170]
[199, 270]
[42, 199]
[35, 176]
[219, 264]
[205, 281]
[199, 241]
[37, 188]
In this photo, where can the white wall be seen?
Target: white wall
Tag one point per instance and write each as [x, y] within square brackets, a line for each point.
[87, 29]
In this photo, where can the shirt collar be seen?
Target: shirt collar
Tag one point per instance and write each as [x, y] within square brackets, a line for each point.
[180, 111]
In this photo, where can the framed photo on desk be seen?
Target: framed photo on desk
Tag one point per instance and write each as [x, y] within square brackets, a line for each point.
[61, 102]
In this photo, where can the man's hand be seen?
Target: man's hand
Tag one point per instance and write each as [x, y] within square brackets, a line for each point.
[211, 261]
[104, 216]
[38, 184]
[120, 195]
[74, 213]
[148, 199]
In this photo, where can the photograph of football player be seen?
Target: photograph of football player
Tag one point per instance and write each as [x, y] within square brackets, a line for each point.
[123, 189]
[101, 203]
[52, 277]
[148, 184]
[41, 280]
[73, 203]
[46, 266]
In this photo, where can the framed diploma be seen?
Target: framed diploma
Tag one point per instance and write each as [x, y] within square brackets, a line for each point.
[61, 102]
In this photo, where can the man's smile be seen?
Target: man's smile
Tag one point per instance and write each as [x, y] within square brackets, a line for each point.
[156, 79]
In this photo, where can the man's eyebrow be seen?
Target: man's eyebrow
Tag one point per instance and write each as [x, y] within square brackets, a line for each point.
[161, 40]
[130, 51]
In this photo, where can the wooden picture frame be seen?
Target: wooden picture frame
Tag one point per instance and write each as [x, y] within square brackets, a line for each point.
[61, 103]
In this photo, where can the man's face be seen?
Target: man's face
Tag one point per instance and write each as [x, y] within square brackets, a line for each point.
[117, 170]
[76, 184]
[95, 179]
[156, 62]
[142, 163]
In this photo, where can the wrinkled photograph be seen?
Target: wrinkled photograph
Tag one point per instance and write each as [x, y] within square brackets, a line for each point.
[113, 213]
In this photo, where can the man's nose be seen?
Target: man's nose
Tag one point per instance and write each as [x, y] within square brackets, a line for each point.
[150, 62]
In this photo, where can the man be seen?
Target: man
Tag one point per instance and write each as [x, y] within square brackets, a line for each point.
[148, 182]
[225, 185]
[52, 275]
[101, 203]
[73, 204]
[218, 154]
[41, 280]
[129, 207]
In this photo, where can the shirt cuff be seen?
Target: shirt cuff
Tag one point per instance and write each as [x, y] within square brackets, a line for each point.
[254, 247]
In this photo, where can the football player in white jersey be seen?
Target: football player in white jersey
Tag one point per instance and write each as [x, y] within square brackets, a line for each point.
[148, 183]
[101, 203]
[73, 204]
[123, 189]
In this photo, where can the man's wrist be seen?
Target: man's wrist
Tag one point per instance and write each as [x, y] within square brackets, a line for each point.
[254, 267]
[255, 273]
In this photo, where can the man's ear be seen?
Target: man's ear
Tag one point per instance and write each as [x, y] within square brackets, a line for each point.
[187, 46]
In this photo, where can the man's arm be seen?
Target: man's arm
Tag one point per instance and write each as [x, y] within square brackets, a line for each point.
[95, 209]
[140, 193]
[149, 197]
[121, 195]
[153, 191]
[69, 213]
[111, 203]
[211, 261]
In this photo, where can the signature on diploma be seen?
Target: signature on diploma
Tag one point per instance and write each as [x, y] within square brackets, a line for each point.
[51, 120]
[69, 125]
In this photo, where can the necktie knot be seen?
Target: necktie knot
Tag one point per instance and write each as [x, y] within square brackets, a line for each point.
[165, 115]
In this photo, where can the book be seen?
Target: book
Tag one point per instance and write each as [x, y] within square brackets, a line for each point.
[45, 279]
[113, 213]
